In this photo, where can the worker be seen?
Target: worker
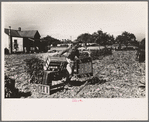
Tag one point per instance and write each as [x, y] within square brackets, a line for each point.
[72, 54]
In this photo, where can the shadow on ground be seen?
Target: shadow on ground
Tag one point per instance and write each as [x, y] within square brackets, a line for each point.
[56, 90]
[11, 91]
[96, 80]
[76, 83]
[15, 93]
[93, 81]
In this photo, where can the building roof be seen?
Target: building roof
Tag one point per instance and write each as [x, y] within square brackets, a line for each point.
[13, 33]
[17, 33]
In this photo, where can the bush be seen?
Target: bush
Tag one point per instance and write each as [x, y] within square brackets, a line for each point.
[34, 67]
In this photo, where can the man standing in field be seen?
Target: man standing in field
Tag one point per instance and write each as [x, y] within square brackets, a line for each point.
[140, 55]
[72, 53]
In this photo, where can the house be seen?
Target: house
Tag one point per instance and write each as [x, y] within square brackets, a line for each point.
[22, 41]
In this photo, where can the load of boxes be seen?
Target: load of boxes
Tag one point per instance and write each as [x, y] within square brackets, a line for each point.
[54, 69]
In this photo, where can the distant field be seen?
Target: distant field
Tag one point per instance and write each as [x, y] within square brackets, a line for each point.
[81, 48]
[58, 48]
[92, 47]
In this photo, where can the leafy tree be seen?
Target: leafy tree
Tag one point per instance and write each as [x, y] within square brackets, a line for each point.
[102, 38]
[111, 40]
[129, 38]
[44, 43]
[126, 38]
[95, 37]
[120, 40]
[66, 41]
[85, 38]
[50, 40]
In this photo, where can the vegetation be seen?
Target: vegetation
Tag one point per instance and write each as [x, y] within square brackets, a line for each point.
[103, 39]
[126, 38]
[34, 67]
[45, 43]
[66, 41]
[99, 37]
[117, 76]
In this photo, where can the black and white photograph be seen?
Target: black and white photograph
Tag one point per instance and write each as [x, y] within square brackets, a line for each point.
[75, 52]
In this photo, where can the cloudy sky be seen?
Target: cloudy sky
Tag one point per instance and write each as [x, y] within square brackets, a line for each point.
[69, 20]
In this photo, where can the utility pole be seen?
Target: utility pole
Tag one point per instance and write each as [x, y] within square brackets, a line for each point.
[71, 38]
[10, 40]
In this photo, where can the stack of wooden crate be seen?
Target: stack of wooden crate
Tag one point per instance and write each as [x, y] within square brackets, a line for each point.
[53, 71]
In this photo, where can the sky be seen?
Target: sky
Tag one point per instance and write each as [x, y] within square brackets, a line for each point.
[68, 20]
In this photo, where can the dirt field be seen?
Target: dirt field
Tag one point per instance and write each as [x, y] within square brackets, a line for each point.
[116, 76]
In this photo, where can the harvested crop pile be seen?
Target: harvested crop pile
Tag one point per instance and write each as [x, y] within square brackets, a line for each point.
[34, 68]
[116, 76]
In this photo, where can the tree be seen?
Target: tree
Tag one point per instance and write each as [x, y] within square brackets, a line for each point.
[129, 38]
[85, 38]
[45, 42]
[66, 41]
[126, 38]
[102, 38]
[50, 40]
[95, 37]
[111, 40]
[120, 40]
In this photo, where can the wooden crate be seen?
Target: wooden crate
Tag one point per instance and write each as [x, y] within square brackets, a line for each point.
[84, 67]
[47, 78]
[44, 89]
[55, 63]
[47, 89]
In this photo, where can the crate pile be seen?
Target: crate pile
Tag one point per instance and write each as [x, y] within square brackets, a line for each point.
[54, 70]
[84, 69]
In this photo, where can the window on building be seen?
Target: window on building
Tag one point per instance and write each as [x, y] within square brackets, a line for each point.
[15, 44]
